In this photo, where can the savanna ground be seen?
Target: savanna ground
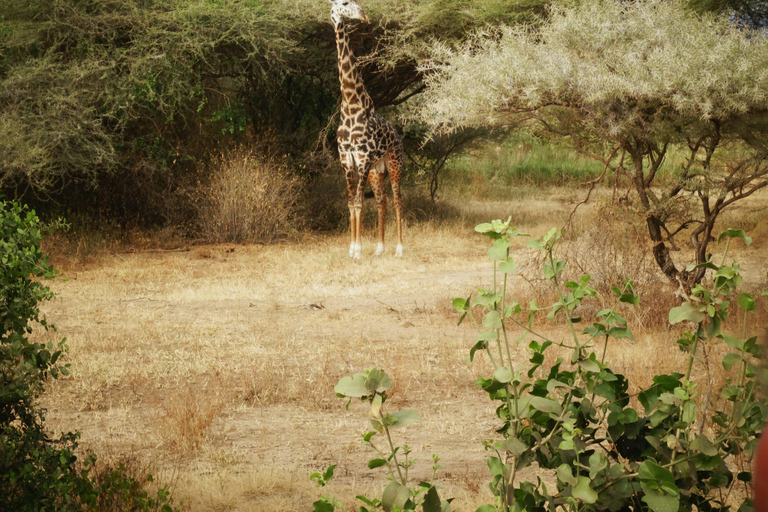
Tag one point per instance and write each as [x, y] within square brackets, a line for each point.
[214, 365]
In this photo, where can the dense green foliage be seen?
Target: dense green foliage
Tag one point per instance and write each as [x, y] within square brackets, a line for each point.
[675, 448]
[39, 472]
[25, 364]
[112, 106]
[114, 94]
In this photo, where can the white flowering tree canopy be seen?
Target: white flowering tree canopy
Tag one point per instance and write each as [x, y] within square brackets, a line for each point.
[627, 83]
[614, 62]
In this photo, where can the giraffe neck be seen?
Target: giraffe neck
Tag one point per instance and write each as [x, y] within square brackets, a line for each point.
[354, 97]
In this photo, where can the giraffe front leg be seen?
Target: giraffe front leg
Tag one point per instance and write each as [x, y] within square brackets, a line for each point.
[351, 177]
[352, 228]
[359, 191]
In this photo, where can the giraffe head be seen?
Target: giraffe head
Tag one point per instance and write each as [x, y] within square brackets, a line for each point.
[347, 9]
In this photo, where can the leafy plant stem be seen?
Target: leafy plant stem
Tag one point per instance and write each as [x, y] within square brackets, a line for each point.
[394, 456]
[534, 333]
[562, 301]
[381, 454]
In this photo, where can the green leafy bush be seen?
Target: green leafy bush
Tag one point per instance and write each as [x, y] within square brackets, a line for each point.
[39, 472]
[25, 365]
[674, 445]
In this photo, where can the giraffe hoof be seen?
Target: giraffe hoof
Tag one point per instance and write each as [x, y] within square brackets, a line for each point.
[399, 251]
[358, 251]
[352, 250]
[379, 250]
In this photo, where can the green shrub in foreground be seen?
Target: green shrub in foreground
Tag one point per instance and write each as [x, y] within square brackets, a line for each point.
[39, 472]
[670, 447]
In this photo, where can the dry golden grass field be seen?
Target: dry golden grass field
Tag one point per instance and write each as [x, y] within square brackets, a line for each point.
[214, 366]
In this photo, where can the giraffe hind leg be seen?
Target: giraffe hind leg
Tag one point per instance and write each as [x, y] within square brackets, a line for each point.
[395, 169]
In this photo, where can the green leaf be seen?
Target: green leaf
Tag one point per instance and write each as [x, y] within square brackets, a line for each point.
[565, 475]
[584, 492]
[322, 506]
[735, 233]
[377, 380]
[499, 250]
[661, 493]
[509, 266]
[704, 445]
[686, 311]
[546, 405]
[483, 228]
[730, 359]
[620, 332]
[403, 418]
[376, 463]
[460, 304]
[487, 335]
[731, 341]
[630, 298]
[486, 508]
[432, 501]
[689, 412]
[660, 502]
[480, 345]
[511, 309]
[516, 446]
[597, 463]
[503, 374]
[553, 384]
[551, 270]
[486, 298]
[495, 466]
[746, 302]
[394, 495]
[492, 320]
[352, 386]
[590, 365]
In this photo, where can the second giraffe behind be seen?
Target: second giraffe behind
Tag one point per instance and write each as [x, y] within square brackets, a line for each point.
[369, 146]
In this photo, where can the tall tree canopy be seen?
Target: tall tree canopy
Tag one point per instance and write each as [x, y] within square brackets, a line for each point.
[629, 84]
[114, 103]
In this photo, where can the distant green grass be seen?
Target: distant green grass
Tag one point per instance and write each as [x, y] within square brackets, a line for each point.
[522, 160]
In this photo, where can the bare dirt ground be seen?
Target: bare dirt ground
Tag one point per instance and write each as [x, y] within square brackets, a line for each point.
[215, 365]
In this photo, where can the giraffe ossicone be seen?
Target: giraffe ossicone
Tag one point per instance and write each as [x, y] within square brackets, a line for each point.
[370, 149]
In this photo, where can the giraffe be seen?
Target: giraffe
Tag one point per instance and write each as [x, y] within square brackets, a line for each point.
[369, 146]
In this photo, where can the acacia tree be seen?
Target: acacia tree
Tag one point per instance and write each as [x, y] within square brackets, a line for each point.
[632, 85]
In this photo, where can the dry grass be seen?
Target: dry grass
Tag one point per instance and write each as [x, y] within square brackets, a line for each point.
[218, 363]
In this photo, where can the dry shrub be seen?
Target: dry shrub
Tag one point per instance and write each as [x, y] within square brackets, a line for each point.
[249, 199]
[614, 247]
[188, 417]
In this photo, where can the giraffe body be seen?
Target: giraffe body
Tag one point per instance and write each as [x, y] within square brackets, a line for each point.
[370, 149]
